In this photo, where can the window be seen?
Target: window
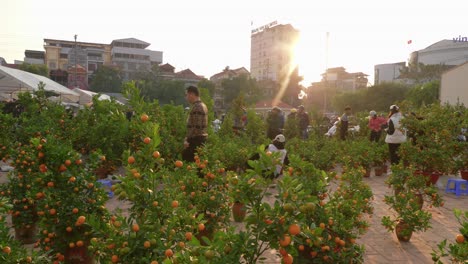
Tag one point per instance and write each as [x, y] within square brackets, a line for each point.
[63, 56]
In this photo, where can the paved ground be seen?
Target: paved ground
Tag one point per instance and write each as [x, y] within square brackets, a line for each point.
[381, 246]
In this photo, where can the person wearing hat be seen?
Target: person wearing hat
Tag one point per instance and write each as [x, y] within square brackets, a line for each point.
[277, 145]
[375, 126]
[396, 134]
[197, 124]
[275, 122]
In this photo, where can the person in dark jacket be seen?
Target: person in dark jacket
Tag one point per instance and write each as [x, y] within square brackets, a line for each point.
[304, 121]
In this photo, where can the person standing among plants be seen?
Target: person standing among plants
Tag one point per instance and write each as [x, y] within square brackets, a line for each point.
[303, 122]
[344, 122]
[396, 134]
[275, 122]
[197, 124]
[375, 125]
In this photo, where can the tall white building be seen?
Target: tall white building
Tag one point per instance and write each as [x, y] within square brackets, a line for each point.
[271, 52]
[388, 72]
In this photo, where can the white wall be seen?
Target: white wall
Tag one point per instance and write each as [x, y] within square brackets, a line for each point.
[387, 72]
[454, 86]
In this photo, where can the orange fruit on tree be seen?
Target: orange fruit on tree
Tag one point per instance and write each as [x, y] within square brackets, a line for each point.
[135, 227]
[114, 259]
[79, 243]
[188, 236]
[178, 163]
[52, 211]
[201, 227]
[460, 239]
[147, 244]
[69, 229]
[144, 118]
[301, 247]
[285, 240]
[154, 262]
[175, 204]
[288, 259]
[294, 229]
[147, 140]
[78, 161]
[71, 245]
[6, 250]
[75, 210]
[169, 253]
[72, 179]
[131, 160]
[156, 154]
[68, 162]
[283, 252]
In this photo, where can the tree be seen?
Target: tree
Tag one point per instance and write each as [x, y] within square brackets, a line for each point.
[106, 79]
[378, 97]
[293, 88]
[205, 83]
[424, 94]
[422, 73]
[39, 69]
[232, 88]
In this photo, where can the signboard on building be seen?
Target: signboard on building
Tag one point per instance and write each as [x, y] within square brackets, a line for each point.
[260, 29]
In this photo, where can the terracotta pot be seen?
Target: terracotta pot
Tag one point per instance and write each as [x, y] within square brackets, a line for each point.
[368, 171]
[384, 168]
[419, 200]
[78, 255]
[464, 174]
[403, 231]
[432, 176]
[26, 235]
[378, 171]
[239, 211]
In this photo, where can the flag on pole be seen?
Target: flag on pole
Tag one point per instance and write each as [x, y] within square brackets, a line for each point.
[410, 41]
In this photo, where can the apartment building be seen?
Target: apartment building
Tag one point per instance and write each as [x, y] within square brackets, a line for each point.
[131, 56]
[271, 53]
[34, 57]
[388, 72]
[342, 80]
[446, 51]
[65, 58]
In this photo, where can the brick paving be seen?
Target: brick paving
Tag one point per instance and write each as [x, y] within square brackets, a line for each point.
[381, 246]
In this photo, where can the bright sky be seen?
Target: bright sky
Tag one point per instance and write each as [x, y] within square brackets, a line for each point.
[206, 36]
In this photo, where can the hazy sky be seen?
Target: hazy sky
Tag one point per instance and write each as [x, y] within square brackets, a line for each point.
[207, 36]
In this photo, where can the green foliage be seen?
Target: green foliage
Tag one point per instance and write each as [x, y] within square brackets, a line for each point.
[378, 97]
[207, 84]
[458, 251]
[240, 85]
[424, 94]
[106, 79]
[35, 68]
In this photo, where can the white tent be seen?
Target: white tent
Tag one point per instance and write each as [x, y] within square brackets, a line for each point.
[86, 97]
[13, 82]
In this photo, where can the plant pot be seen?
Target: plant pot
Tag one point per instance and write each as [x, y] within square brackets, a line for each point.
[419, 199]
[378, 171]
[239, 211]
[432, 176]
[464, 174]
[384, 168]
[78, 255]
[368, 172]
[26, 234]
[403, 231]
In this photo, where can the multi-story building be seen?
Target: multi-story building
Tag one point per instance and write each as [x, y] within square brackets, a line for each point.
[342, 80]
[218, 78]
[388, 72]
[447, 52]
[132, 56]
[271, 52]
[64, 57]
[187, 76]
[34, 57]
